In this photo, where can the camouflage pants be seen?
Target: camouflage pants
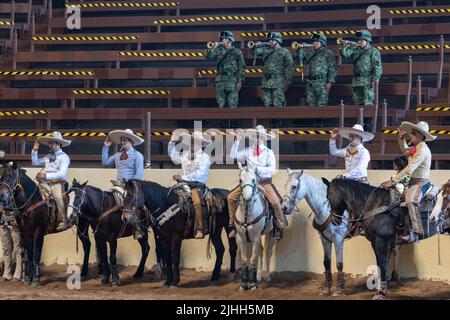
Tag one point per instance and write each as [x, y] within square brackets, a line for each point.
[227, 91]
[273, 96]
[316, 94]
[363, 95]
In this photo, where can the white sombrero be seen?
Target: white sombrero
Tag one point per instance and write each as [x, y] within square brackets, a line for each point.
[261, 131]
[197, 135]
[422, 127]
[55, 137]
[358, 130]
[127, 133]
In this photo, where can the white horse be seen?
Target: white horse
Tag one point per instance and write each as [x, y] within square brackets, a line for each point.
[332, 230]
[251, 221]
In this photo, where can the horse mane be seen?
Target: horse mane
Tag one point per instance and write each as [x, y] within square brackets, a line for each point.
[29, 186]
[156, 196]
[358, 193]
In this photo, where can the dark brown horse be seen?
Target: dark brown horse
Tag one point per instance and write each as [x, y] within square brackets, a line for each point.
[144, 204]
[20, 194]
[102, 211]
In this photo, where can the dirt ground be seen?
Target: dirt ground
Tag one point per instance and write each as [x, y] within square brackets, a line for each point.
[196, 285]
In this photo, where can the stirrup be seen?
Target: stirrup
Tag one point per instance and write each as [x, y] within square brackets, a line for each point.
[199, 235]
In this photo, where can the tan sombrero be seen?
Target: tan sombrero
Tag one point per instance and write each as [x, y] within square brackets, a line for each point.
[261, 131]
[358, 130]
[197, 135]
[115, 136]
[55, 137]
[422, 127]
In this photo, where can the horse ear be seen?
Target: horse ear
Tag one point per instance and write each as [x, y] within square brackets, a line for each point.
[14, 165]
[85, 183]
[289, 171]
[240, 165]
[327, 183]
[74, 181]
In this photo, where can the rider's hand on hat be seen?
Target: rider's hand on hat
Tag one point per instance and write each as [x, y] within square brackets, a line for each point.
[36, 145]
[175, 137]
[401, 133]
[40, 175]
[177, 177]
[107, 142]
[334, 134]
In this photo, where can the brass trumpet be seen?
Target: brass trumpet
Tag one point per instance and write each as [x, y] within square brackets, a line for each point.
[296, 45]
[211, 44]
[346, 43]
[252, 44]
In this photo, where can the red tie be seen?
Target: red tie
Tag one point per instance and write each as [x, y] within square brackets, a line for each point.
[257, 150]
[124, 155]
[412, 150]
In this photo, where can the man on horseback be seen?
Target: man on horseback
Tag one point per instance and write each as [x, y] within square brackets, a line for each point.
[194, 170]
[260, 159]
[356, 156]
[418, 168]
[129, 162]
[52, 178]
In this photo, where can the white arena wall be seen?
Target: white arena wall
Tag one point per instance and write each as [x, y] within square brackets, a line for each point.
[299, 250]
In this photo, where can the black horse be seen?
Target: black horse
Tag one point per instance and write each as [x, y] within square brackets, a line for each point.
[379, 225]
[100, 210]
[145, 201]
[20, 194]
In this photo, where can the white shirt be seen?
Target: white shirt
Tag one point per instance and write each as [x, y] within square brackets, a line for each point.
[265, 162]
[191, 170]
[355, 164]
[53, 170]
[419, 164]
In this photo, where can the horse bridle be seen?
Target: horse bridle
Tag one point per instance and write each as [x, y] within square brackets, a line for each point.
[248, 185]
[12, 190]
[77, 209]
[292, 199]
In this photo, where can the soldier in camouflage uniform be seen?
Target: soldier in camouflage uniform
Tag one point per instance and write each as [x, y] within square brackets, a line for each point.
[278, 69]
[230, 69]
[367, 68]
[322, 68]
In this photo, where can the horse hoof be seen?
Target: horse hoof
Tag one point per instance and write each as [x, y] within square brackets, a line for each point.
[35, 283]
[338, 293]
[243, 288]
[324, 291]
[379, 297]
[116, 283]
[173, 286]
[137, 276]
[252, 286]
[104, 280]
[230, 276]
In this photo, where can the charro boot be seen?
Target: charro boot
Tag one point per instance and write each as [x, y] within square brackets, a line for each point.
[326, 289]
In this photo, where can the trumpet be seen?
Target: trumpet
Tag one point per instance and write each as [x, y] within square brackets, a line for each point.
[211, 44]
[346, 43]
[252, 44]
[296, 45]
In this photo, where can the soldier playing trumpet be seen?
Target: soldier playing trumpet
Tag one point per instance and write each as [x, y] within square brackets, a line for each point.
[230, 69]
[322, 69]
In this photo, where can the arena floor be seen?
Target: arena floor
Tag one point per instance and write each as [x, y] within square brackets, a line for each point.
[195, 285]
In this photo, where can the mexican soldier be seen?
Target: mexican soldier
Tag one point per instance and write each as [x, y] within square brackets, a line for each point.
[322, 68]
[278, 69]
[230, 69]
[367, 68]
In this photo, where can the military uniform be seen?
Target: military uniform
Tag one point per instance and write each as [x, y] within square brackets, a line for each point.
[322, 68]
[230, 71]
[367, 69]
[278, 70]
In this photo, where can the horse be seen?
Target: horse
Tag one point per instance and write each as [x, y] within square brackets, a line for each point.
[252, 220]
[379, 218]
[332, 229]
[440, 215]
[150, 204]
[102, 211]
[20, 194]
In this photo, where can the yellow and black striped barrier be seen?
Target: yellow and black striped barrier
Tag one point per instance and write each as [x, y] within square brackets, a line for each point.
[206, 72]
[419, 11]
[162, 54]
[22, 112]
[6, 23]
[410, 47]
[301, 33]
[46, 73]
[120, 91]
[209, 19]
[123, 4]
[441, 132]
[433, 108]
[84, 38]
